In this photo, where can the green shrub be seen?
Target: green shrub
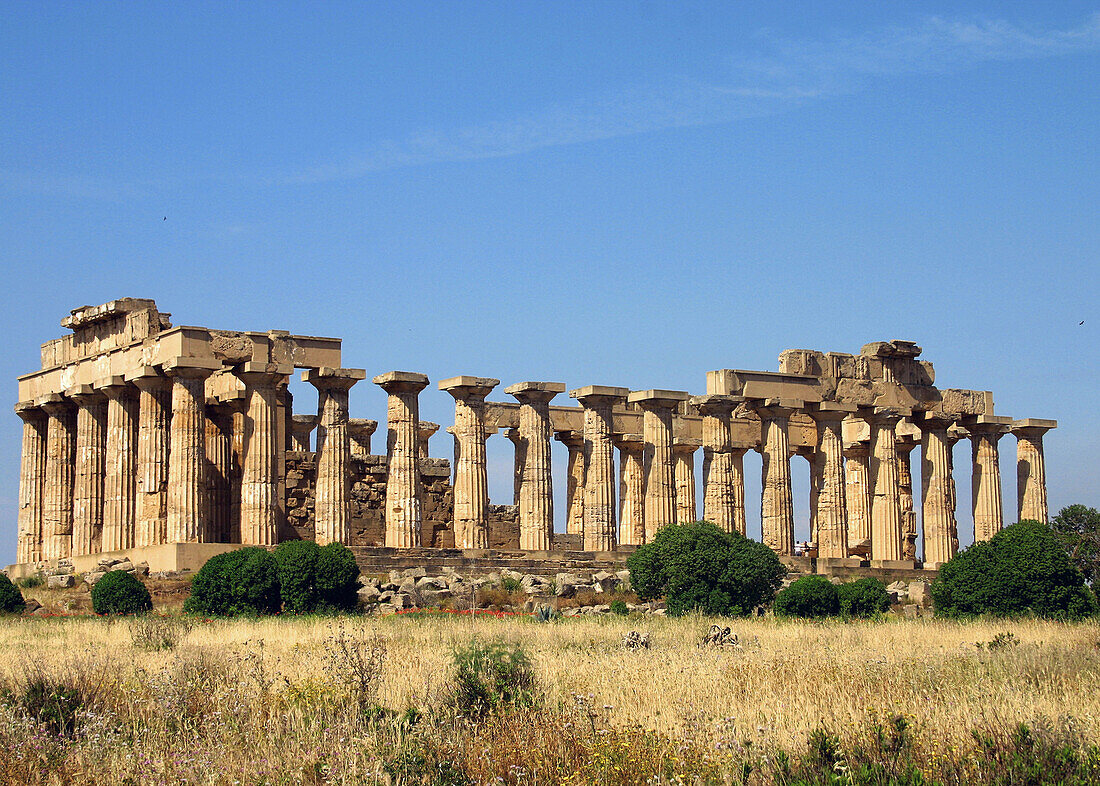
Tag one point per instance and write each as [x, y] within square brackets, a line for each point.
[809, 596]
[314, 578]
[619, 607]
[31, 581]
[54, 704]
[245, 581]
[698, 566]
[11, 599]
[118, 592]
[1023, 569]
[863, 598]
[491, 677]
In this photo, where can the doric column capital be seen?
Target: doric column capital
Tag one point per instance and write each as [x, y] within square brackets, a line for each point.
[148, 379]
[470, 389]
[115, 387]
[514, 436]
[1031, 428]
[263, 375]
[599, 396]
[30, 412]
[658, 400]
[360, 428]
[401, 382]
[327, 378]
[190, 368]
[535, 392]
[991, 426]
[86, 395]
[716, 404]
[308, 422]
[54, 404]
[933, 421]
[685, 446]
[774, 408]
[828, 411]
[425, 429]
[883, 417]
[628, 441]
[571, 439]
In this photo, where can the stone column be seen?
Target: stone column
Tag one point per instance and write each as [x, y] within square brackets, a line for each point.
[332, 495]
[91, 445]
[57, 516]
[403, 514]
[776, 505]
[32, 479]
[425, 431]
[831, 509]
[723, 485]
[219, 468]
[857, 457]
[986, 484]
[300, 428]
[886, 525]
[360, 430]
[519, 444]
[905, 444]
[599, 524]
[683, 472]
[574, 489]
[631, 488]
[536, 492]
[660, 474]
[1031, 473]
[239, 408]
[120, 479]
[941, 541]
[261, 505]
[187, 508]
[471, 487]
[154, 419]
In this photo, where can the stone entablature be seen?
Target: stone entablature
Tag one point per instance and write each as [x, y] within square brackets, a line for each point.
[137, 433]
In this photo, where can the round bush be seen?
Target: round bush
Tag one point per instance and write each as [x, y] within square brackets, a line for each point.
[698, 566]
[245, 581]
[863, 598]
[809, 596]
[1023, 569]
[316, 578]
[11, 599]
[118, 592]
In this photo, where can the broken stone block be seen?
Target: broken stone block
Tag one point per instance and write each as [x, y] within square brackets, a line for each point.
[63, 581]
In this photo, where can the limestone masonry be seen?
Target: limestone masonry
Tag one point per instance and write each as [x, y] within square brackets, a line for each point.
[140, 438]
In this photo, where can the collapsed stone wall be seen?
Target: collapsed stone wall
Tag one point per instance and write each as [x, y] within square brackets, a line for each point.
[368, 502]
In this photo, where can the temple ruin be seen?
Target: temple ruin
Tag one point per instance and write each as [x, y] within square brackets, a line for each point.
[144, 438]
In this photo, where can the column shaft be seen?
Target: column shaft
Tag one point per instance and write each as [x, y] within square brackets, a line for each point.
[261, 507]
[986, 483]
[574, 488]
[91, 415]
[219, 469]
[631, 489]
[403, 510]
[777, 507]
[599, 527]
[1031, 474]
[154, 423]
[471, 487]
[57, 520]
[831, 510]
[886, 524]
[120, 479]
[32, 479]
[857, 475]
[660, 471]
[187, 508]
[937, 495]
[536, 491]
[684, 477]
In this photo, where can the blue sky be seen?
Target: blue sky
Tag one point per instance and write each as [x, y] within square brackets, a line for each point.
[596, 193]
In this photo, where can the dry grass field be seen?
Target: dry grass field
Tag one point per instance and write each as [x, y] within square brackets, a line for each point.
[292, 700]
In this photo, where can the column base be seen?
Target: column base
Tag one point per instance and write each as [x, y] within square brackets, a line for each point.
[894, 564]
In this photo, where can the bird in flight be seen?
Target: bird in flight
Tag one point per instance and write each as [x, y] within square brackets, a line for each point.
[166, 218]
[1081, 322]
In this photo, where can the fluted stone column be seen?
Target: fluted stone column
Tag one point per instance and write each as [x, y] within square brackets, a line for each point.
[886, 524]
[905, 498]
[32, 479]
[683, 472]
[471, 487]
[985, 432]
[631, 488]
[57, 517]
[120, 478]
[239, 408]
[599, 527]
[660, 474]
[830, 512]
[403, 513]
[723, 484]
[219, 468]
[1031, 473]
[536, 493]
[425, 431]
[776, 504]
[332, 497]
[261, 508]
[941, 541]
[187, 508]
[301, 427]
[857, 480]
[360, 431]
[519, 446]
[154, 419]
[574, 489]
[91, 446]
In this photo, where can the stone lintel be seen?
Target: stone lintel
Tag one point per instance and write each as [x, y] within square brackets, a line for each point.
[279, 369]
[474, 383]
[715, 402]
[535, 387]
[599, 391]
[183, 365]
[410, 378]
[142, 373]
[764, 384]
[825, 409]
[658, 398]
[1037, 424]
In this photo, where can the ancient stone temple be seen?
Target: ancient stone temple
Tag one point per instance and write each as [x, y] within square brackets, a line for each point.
[174, 443]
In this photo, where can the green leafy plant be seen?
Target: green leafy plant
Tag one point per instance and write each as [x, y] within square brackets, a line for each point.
[1023, 569]
[698, 566]
[31, 581]
[490, 677]
[11, 599]
[241, 582]
[1078, 529]
[619, 607]
[118, 592]
[809, 596]
[867, 597]
[54, 704]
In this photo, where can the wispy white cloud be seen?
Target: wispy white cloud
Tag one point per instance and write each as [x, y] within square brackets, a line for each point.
[784, 74]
